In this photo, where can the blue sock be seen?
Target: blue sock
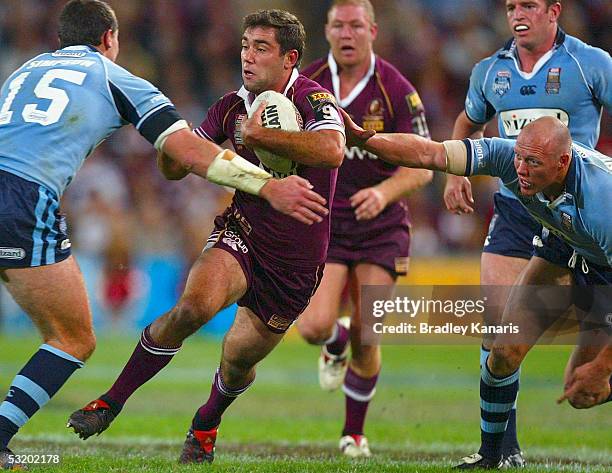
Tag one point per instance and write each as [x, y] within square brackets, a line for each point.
[510, 443]
[32, 388]
[497, 398]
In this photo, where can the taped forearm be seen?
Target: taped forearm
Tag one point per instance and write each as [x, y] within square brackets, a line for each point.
[456, 157]
[232, 170]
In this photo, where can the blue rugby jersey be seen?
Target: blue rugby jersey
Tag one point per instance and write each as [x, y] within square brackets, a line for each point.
[58, 106]
[579, 216]
[570, 82]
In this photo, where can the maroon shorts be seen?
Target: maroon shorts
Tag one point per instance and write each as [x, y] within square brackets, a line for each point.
[276, 294]
[355, 242]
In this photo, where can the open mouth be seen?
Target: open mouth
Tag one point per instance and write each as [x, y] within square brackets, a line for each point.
[248, 74]
[525, 184]
[347, 49]
[519, 28]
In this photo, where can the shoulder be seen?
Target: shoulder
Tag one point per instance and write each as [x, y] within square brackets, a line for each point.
[310, 90]
[315, 69]
[484, 65]
[584, 51]
[392, 80]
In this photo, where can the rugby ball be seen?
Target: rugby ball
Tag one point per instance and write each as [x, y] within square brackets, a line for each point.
[280, 113]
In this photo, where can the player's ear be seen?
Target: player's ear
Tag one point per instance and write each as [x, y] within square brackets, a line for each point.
[554, 11]
[107, 39]
[374, 30]
[564, 161]
[291, 58]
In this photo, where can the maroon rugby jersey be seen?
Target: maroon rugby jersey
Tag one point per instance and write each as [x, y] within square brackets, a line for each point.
[383, 101]
[271, 234]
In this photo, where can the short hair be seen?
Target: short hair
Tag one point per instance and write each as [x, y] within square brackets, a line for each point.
[290, 32]
[366, 4]
[85, 21]
[550, 3]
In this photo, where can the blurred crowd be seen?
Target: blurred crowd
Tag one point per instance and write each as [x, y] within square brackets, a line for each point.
[119, 206]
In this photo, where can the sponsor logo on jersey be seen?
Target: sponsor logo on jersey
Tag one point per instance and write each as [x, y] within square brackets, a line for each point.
[318, 97]
[65, 244]
[414, 102]
[501, 83]
[515, 120]
[12, 253]
[279, 322]
[566, 221]
[361, 154]
[69, 53]
[553, 80]
[528, 89]
[237, 124]
[374, 119]
[234, 242]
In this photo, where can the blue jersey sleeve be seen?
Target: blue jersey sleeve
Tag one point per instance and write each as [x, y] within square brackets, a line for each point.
[140, 103]
[597, 67]
[477, 108]
[491, 157]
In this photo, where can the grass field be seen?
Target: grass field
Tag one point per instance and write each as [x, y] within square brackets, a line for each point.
[423, 418]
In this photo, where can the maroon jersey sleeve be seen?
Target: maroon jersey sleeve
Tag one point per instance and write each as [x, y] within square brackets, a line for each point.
[212, 128]
[318, 107]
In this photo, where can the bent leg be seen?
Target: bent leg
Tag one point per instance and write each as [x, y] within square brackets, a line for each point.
[247, 342]
[64, 320]
[316, 323]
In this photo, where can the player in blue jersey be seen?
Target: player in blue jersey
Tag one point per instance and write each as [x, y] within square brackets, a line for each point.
[541, 71]
[560, 184]
[54, 110]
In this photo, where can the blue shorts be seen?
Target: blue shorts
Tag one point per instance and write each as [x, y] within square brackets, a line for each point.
[32, 230]
[511, 230]
[554, 250]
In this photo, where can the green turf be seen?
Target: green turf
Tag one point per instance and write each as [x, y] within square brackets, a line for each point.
[425, 414]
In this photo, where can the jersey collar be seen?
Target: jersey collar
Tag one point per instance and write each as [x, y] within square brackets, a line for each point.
[568, 196]
[509, 52]
[249, 97]
[333, 68]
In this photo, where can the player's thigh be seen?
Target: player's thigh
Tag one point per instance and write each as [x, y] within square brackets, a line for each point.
[368, 274]
[323, 309]
[499, 270]
[248, 341]
[215, 280]
[54, 297]
[537, 300]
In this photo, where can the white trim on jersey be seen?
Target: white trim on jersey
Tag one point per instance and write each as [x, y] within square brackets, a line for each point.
[333, 68]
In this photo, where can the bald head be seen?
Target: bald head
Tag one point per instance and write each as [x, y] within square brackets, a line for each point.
[549, 134]
[543, 153]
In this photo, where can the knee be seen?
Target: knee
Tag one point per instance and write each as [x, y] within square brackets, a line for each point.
[190, 313]
[314, 329]
[81, 345]
[506, 359]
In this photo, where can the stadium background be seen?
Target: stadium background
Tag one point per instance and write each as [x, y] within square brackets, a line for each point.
[136, 234]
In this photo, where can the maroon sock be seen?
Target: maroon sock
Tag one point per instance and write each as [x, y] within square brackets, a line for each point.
[337, 343]
[209, 415]
[359, 391]
[147, 360]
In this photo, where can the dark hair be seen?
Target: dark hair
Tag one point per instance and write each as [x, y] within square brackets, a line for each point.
[84, 22]
[290, 33]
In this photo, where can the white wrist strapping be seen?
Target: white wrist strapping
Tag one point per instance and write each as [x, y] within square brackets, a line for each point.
[176, 126]
[230, 169]
[456, 157]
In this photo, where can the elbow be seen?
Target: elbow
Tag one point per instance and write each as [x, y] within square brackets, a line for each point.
[334, 156]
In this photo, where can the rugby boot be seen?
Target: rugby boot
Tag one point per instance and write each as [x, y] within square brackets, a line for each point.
[477, 461]
[94, 418]
[332, 368]
[8, 461]
[199, 446]
[355, 446]
[514, 459]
